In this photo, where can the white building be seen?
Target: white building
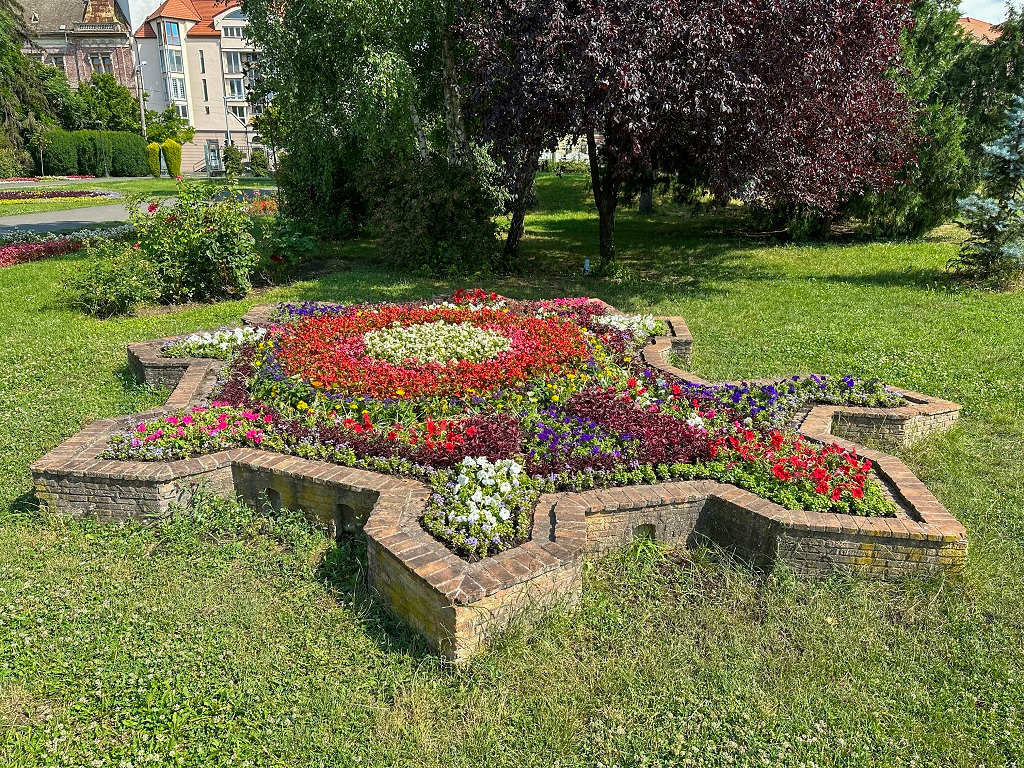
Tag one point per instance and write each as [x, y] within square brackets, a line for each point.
[197, 59]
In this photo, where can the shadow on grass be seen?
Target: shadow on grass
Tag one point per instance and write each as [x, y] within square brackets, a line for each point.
[908, 278]
[343, 569]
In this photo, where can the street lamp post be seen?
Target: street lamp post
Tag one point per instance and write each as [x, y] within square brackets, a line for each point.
[103, 146]
[139, 84]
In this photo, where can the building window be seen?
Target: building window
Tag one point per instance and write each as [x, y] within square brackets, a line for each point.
[178, 89]
[172, 33]
[57, 61]
[238, 111]
[202, 62]
[182, 110]
[101, 64]
[232, 32]
[236, 90]
[206, 93]
[207, 110]
[233, 62]
[36, 57]
[175, 63]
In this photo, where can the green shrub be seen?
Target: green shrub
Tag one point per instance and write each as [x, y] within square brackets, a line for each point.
[172, 157]
[318, 183]
[153, 159]
[232, 161]
[10, 164]
[126, 153]
[61, 153]
[87, 149]
[201, 248]
[287, 243]
[115, 279]
[259, 163]
[437, 217]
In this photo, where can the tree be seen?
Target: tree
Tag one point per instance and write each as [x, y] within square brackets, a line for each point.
[161, 126]
[995, 220]
[23, 100]
[355, 83]
[783, 101]
[40, 141]
[105, 100]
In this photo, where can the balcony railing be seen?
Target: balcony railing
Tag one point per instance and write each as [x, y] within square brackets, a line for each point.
[112, 26]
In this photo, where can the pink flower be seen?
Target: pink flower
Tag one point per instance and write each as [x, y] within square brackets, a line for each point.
[137, 245]
[141, 427]
[152, 207]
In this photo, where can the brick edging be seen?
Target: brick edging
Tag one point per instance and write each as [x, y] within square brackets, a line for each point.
[457, 604]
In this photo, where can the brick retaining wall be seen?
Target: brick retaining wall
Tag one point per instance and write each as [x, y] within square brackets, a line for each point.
[457, 605]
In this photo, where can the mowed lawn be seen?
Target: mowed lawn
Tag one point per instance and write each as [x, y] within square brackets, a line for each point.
[190, 646]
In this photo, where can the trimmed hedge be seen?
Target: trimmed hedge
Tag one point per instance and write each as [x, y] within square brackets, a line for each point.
[172, 157]
[153, 159]
[61, 154]
[80, 152]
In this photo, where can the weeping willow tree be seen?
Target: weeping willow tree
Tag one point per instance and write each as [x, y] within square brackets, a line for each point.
[358, 87]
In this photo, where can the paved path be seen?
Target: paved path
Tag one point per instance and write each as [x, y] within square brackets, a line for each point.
[75, 218]
[84, 218]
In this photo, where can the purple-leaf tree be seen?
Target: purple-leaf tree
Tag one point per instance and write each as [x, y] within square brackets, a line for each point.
[778, 100]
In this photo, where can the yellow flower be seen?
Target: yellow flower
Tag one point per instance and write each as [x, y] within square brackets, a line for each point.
[302, 405]
[554, 398]
[399, 391]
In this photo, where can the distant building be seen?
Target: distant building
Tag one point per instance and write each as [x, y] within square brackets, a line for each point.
[82, 38]
[198, 60]
[982, 31]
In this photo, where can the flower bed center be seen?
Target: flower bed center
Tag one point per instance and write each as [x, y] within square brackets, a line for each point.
[434, 342]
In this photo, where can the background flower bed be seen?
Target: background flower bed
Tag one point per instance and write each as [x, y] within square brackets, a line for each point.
[564, 406]
[37, 195]
[22, 247]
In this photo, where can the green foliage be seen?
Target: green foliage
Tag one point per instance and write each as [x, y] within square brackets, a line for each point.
[201, 248]
[287, 243]
[172, 156]
[103, 99]
[115, 279]
[61, 153]
[126, 153]
[161, 126]
[10, 162]
[927, 190]
[232, 161]
[317, 182]
[84, 152]
[354, 84]
[437, 217]
[259, 163]
[153, 159]
[23, 97]
[995, 221]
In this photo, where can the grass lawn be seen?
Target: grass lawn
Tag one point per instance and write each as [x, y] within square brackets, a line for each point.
[121, 645]
[149, 187]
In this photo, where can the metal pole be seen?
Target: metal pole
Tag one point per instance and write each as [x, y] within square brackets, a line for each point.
[139, 84]
[227, 123]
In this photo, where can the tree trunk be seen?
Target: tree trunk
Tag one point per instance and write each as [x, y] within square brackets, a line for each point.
[421, 139]
[606, 197]
[646, 198]
[458, 141]
[522, 186]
